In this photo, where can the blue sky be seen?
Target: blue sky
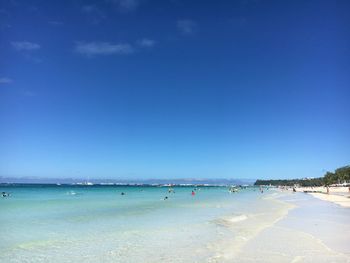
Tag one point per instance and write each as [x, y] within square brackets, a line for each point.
[174, 88]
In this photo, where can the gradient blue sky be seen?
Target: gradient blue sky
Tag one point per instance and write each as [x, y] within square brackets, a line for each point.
[174, 88]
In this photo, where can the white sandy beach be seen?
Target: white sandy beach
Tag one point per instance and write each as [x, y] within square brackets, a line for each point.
[306, 230]
[337, 195]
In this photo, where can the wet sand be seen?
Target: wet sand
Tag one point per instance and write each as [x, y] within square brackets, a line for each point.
[311, 231]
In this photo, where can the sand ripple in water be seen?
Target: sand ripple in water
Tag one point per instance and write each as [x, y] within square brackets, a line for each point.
[230, 220]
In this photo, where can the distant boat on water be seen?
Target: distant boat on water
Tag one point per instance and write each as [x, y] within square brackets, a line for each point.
[85, 183]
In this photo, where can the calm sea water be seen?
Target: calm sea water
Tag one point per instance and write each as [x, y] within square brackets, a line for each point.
[97, 224]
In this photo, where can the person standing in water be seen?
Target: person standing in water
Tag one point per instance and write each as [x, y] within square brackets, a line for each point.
[261, 189]
[4, 194]
[193, 193]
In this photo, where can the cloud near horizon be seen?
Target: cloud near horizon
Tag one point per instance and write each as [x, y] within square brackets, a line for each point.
[25, 46]
[91, 49]
[186, 26]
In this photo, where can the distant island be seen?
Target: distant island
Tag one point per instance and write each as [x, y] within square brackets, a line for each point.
[82, 181]
[339, 176]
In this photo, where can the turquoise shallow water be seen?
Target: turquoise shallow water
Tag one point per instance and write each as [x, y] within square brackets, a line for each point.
[55, 223]
[97, 224]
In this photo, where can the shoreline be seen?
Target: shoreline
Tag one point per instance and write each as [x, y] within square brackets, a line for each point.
[308, 231]
[336, 195]
[336, 199]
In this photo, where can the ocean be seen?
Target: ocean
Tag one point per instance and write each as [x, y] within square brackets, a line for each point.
[65, 223]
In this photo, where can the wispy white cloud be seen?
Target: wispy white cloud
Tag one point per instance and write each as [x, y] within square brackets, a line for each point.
[27, 93]
[126, 5]
[5, 80]
[89, 9]
[56, 23]
[25, 46]
[91, 49]
[146, 42]
[186, 26]
[94, 12]
[4, 12]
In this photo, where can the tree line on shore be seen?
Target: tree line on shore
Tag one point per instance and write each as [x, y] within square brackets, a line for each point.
[339, 176]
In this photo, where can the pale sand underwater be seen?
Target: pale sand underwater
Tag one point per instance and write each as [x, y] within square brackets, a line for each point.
[97, 224]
